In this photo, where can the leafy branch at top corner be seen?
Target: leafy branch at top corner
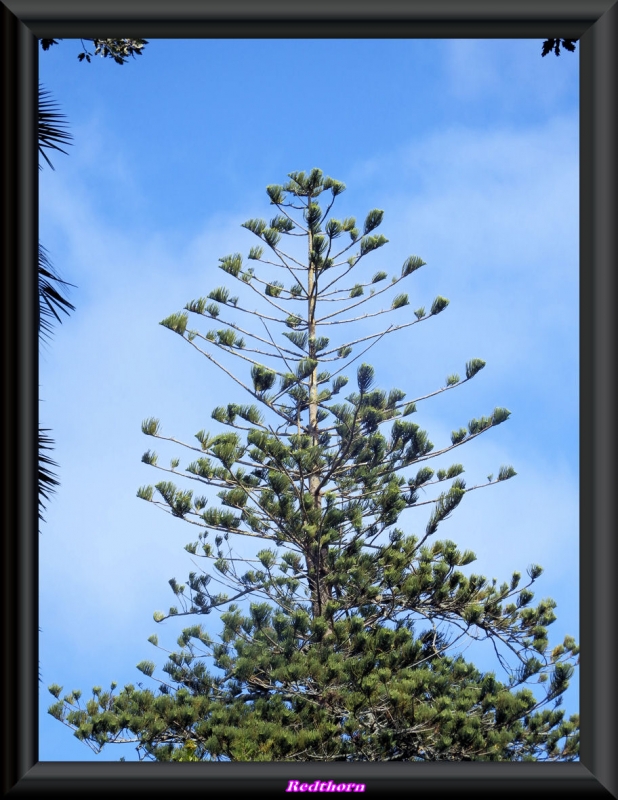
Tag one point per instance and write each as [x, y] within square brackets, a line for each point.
[118, 49]
[553, 46]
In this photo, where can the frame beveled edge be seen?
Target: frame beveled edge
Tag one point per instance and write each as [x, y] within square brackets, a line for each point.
[596, 774]
[317, 19]
[20, 417]
[598, 396]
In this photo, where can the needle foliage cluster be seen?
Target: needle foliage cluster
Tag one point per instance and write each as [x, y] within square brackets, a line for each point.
[342, 634]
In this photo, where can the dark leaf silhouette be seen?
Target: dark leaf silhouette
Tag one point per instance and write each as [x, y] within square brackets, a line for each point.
[553, 45]
[50, 299]
[52, 127]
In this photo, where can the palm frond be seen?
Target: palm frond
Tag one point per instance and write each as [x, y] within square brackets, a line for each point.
[51, 301]
[47, 479]
[52, 127]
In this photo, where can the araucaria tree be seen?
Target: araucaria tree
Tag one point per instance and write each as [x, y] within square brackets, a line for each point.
[342, 635]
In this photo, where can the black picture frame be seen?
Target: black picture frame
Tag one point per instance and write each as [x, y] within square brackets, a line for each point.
[595, 24]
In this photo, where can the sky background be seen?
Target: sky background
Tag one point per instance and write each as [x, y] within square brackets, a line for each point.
[471, 149]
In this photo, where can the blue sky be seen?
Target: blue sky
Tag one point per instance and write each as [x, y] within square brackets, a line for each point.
[471, 149]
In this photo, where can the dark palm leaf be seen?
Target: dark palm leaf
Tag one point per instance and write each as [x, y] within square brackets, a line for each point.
[50, 299]
[50, 302]
[51, 134]
[52, 126]
[47, 479]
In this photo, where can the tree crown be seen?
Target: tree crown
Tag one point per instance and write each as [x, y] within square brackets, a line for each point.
[345, 641]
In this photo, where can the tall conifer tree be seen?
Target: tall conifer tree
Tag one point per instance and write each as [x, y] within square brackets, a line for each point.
[342, 634]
